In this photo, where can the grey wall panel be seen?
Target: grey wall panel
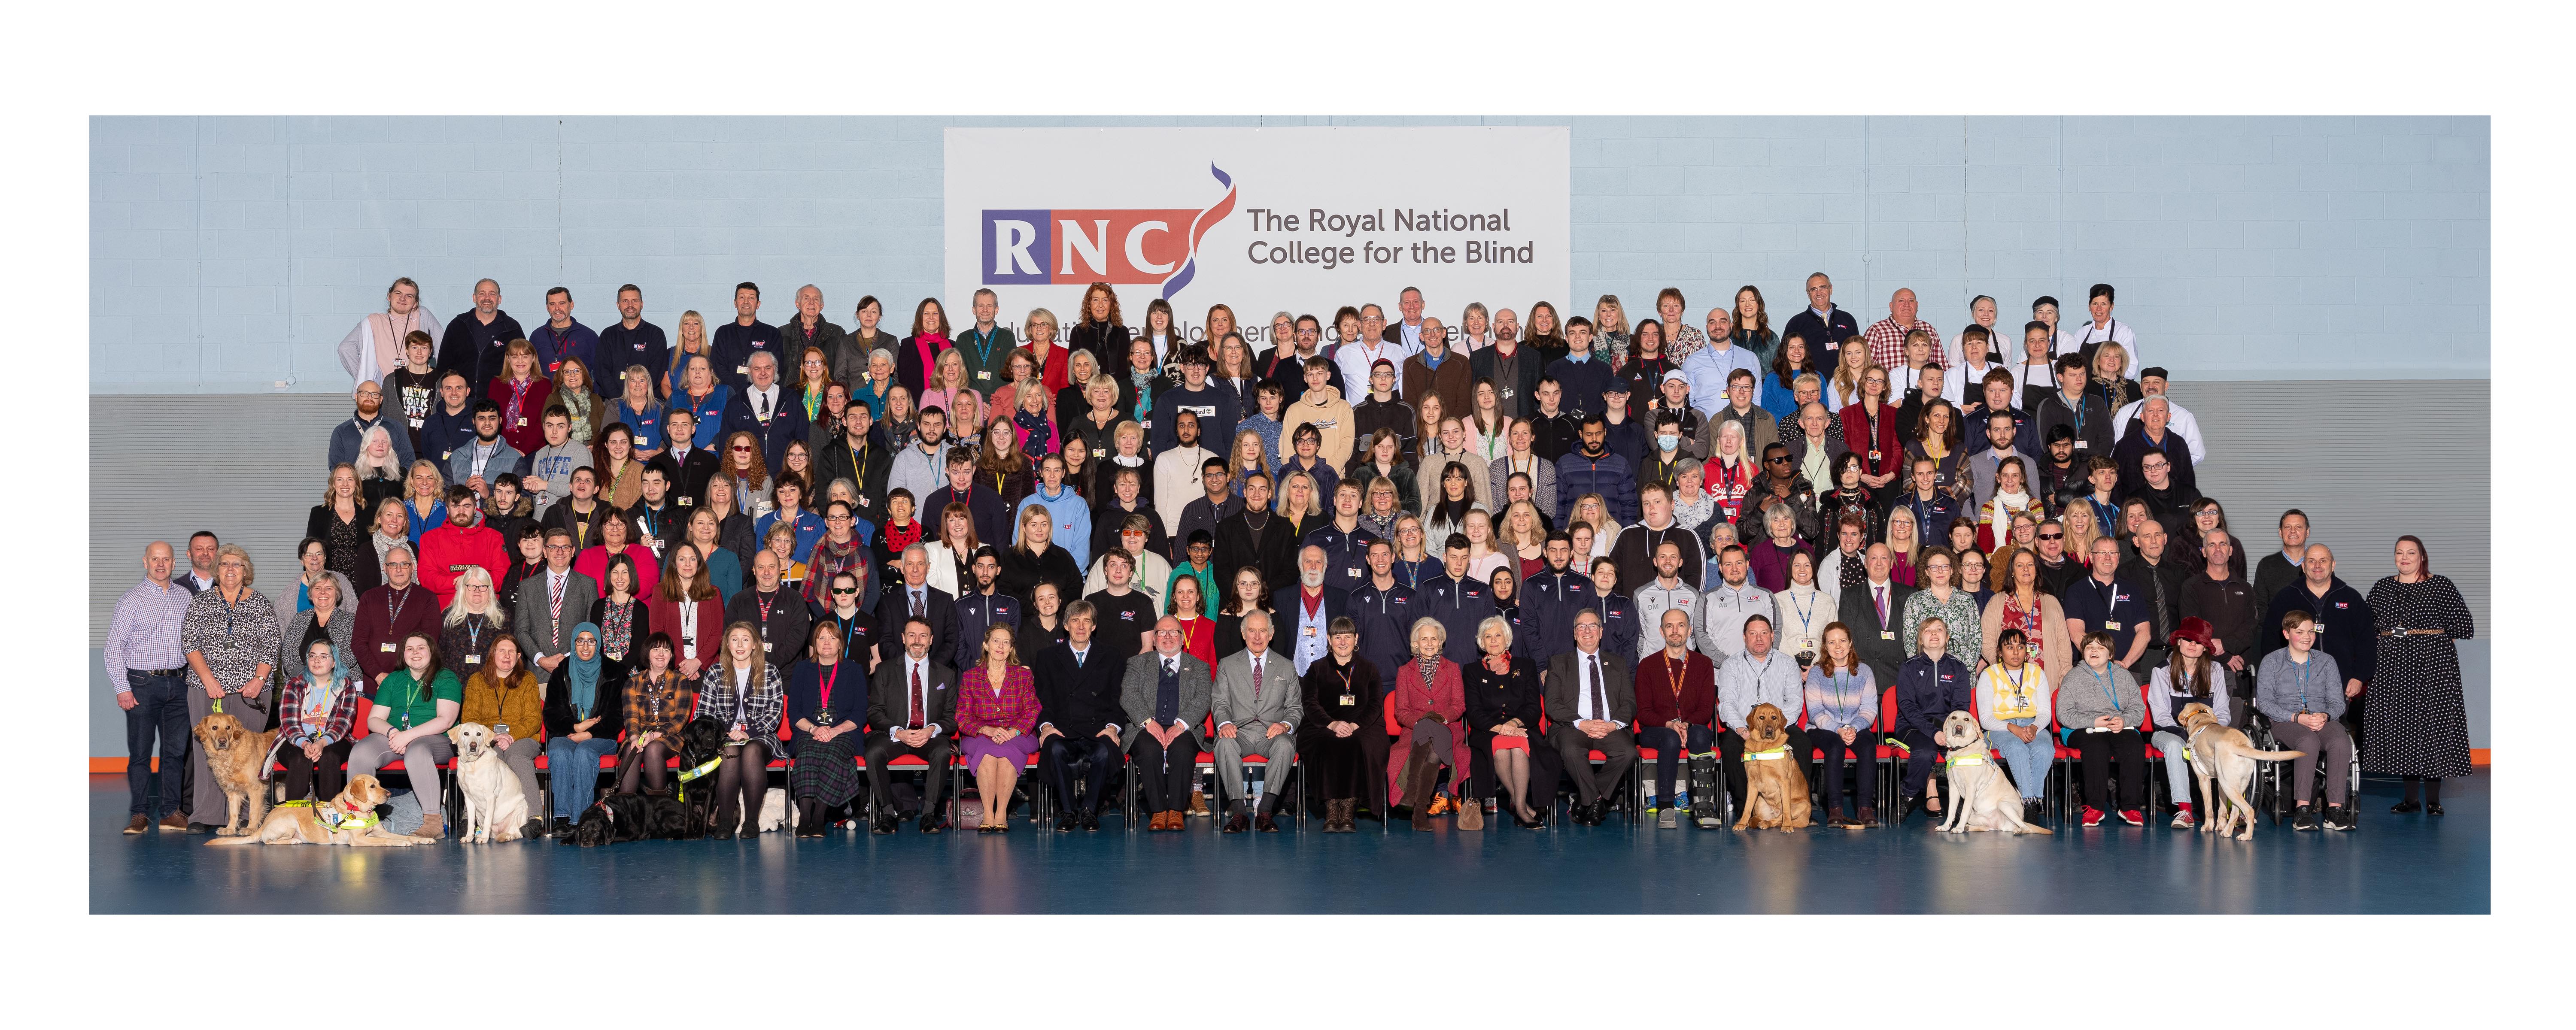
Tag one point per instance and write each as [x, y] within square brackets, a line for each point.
[247, 468]
[2330, 448]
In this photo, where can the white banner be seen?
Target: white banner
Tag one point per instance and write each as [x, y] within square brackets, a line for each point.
[1304, 220]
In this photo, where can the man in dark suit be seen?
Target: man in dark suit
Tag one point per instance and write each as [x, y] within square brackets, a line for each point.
[1592, 699]
[687, 468]
[1078, 717]
[1306, 609]
[912, 708]
[916, 598]
[1165, 693]
[767, 410]
[1875, 611]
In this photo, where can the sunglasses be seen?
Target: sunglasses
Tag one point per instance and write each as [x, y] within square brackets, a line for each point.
[741, 449]
[2052, 536]
[1776, 459]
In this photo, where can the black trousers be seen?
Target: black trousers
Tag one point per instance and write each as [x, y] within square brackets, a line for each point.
[2098, 750]
[324, 778]
[1864, 748]
[1166, 776]
[1920, 752]
[1574, 751]
[1058, 756]
[1669, 756]
[883, 748]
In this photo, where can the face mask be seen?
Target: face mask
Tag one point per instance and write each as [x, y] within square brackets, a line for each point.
[1668, 441]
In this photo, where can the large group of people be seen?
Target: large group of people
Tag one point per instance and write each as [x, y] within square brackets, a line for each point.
[1439, 569]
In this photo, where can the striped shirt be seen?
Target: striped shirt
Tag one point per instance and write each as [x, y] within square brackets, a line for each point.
[145, 631]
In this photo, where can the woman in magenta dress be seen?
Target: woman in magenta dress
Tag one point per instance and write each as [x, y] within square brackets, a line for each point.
[997, 710]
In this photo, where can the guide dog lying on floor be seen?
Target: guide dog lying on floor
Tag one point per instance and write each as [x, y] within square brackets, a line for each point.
[349, 820]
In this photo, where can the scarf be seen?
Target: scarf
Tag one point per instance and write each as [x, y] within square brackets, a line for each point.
[1430, 670]
[585, 674]
[1033, 432]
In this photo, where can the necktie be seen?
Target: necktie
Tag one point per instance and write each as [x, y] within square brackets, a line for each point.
[1881, 594]
[763, 405]
[1600, 703]
[554, 598]
[916, 605]
[917, 699]
[1256, 679]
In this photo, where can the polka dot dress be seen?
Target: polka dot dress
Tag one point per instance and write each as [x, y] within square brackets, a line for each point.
[2418, 724]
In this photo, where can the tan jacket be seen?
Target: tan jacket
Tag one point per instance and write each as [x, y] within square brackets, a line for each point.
[1332, 419]
[520, 707]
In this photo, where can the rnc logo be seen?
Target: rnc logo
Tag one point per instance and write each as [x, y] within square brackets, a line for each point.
[1082, 245]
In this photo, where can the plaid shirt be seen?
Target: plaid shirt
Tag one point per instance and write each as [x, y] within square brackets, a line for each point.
[1887, 341]
[144, 634]
[658, 707]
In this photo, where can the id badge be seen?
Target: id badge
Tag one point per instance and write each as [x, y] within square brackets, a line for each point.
[523, 423]
[2108, 624]
[1349, 701]
[386, 647]
[473, 659]
[764, 647]
[983, 375]
[1887, 634]
[742, 370]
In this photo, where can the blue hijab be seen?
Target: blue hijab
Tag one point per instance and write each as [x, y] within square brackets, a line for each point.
[585, 674]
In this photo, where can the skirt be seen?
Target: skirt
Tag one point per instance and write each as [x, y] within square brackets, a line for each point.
[973, 747]
[1502, 743]
[828, 770]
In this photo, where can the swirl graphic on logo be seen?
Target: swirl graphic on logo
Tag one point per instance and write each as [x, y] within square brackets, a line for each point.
[1199, 227]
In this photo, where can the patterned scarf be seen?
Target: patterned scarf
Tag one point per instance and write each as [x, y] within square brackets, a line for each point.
[1430, 669]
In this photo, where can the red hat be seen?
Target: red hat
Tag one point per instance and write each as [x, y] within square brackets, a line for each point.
[2194, 629]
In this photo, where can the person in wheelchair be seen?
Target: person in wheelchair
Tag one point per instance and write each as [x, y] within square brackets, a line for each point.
[2302, 692]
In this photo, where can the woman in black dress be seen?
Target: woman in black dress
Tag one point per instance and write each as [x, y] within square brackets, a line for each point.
[2417, 722]
[1251, 593]
[1503, 702]
[1343, 703]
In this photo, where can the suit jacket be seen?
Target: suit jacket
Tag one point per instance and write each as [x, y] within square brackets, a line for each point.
[1618, 683]
[538, 634]
[1280, 699]
[689, 478]
[785, 424]
[1136, 692]
[1880, 645]
[1079, 699]
[890, 696]
[938, 605]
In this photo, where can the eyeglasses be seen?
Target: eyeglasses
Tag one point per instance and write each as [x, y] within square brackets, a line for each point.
[742, 448]
[845, 590]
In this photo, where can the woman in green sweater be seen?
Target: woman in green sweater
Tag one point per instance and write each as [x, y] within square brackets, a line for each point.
[415, 705]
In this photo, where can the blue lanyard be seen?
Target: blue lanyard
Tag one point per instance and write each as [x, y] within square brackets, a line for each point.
[2303, 668]
[2102, 679]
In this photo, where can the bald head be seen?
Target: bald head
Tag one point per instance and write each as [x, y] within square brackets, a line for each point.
[2317, 567]
[158, 560]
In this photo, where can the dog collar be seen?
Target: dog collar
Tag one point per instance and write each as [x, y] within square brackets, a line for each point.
[1773, 755]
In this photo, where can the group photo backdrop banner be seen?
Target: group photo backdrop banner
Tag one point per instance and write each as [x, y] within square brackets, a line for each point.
[1297, 219]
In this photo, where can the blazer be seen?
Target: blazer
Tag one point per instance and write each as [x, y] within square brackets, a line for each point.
[1618, 683]
[1880, 644]
[540, 635]
[1015, 707]
[1079, 699]
[665, 616]
[1136, 692]
[1280, 697]
[937, 605]
[890, 696]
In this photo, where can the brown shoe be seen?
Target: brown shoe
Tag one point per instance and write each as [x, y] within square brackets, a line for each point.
[1198, 804]
[1471, 814]
[174, 823]
[136, 825]
[1868, 817]
[433, 826]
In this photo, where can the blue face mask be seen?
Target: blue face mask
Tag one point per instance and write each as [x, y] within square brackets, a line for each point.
[1668, 442]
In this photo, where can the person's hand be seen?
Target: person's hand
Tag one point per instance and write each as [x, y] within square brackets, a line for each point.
[2313, 721]
[549, 662]
[537, 484]
[1046, 731]
[125, 701]
[1110, 734]
[583, 727]
[577, 736]
[214, 690]
[1276, 729]
[2352, 688]
[1225, 732]
[396, 742]
[312, 751]
[688, 668]
[2025, 733]
[380, 677]
[1849, 735]
[736, 734]
[501, 741]
[2108, 722]
[1940, 738]
[2236, 663]
[1676, 725]
[1005, 735]
[250, 689]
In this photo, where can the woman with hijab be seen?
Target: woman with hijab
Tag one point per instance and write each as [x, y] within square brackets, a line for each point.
[584, 710]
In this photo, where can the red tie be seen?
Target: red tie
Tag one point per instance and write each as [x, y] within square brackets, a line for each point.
[554, 598]
[916, 695]
[1881, 594]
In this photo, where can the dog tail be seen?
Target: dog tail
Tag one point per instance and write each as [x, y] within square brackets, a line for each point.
[2034, 828]
[232, 842]
[2272, 756]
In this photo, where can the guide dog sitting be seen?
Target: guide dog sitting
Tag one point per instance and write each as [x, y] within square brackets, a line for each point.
[1981, 798]
[495, 807]
[235, 757]
[1775, 784]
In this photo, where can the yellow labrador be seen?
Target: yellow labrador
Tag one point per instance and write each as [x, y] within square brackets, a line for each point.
[2223, 758]
[1980, 797]
[235, 757]
[494, 806]
[348, 820]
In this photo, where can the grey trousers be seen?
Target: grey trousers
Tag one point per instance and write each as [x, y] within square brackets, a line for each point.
[420, 762]
[1279, 752]
[521, 757]
[2332, 743]
[209, 798]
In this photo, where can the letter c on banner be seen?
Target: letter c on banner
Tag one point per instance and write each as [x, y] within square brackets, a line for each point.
[1136, 247]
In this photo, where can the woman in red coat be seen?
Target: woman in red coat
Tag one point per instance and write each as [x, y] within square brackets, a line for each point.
[522, 395]
[684, 605]
[1869, 428]
[1429, 701]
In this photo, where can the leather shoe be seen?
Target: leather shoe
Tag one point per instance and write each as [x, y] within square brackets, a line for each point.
[1090, 821]
[200, 829]
[720, 833]
[931, 823]
[173, 823]
[1266, 824]
[532, 829]
[1600, 811]
[135, 825]
[1066, 822]
[882, 826]
[1236, 823]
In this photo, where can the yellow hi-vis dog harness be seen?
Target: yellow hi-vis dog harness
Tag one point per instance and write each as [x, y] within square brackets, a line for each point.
[1773, 755]
[681, 792]
[334, 817]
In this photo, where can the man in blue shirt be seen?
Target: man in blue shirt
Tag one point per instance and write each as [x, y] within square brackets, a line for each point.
[2104, 602]
[561, 338]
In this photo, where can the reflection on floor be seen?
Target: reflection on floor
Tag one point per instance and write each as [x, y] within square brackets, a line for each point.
[2392, 863]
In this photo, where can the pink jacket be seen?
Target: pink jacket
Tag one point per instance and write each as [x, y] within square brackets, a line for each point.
[978, 708]
[1413, 701]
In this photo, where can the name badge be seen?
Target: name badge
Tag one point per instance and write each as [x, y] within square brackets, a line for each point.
[473, 659]
[2083, 445]
[764, 647]
[742, 370]
[1310, 631]
[684, 502]
[523, 423]
[386, 648]
[2108, 624]
[983, 375]
[415, 423]
[555, 366]
[1349, 701]
[1887, 634]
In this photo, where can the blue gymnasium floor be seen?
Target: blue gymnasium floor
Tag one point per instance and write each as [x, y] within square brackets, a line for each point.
[2392, 864]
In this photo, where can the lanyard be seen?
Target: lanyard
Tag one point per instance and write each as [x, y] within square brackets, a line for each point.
[2102, 679]
[2303, 669]
[1806, 612]
[1674, 676]
[228, 609]
[394, 601]
[1842, 682]
[828, 680]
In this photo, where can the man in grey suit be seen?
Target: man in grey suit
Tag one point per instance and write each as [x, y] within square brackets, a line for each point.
[1165, 694]
[552, 603]
[1257, 710]
[1592, 699]
[2001, 431]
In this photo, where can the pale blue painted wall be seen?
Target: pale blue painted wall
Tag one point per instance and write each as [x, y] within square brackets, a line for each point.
[230, 254]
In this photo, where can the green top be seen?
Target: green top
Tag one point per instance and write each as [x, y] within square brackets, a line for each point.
[406, 705]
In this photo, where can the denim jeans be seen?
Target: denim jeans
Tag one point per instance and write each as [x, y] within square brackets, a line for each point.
[160, 709]
[2029, 762]
[574, 767]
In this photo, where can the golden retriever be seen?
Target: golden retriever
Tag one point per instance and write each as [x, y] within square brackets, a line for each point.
[495, 807]
[348, 820]
[1775, 779]
[236, 757]
[1980, 797]
[2223, 759]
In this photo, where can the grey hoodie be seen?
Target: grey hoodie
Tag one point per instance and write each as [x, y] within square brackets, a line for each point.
[554, 464]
